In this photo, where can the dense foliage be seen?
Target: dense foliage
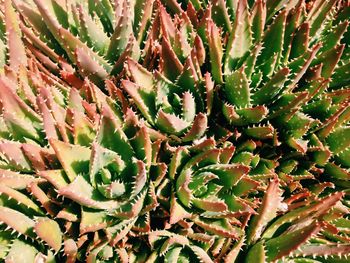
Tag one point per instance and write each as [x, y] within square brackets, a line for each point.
[175, 131]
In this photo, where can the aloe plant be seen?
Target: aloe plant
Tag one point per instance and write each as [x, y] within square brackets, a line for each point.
[174, 131]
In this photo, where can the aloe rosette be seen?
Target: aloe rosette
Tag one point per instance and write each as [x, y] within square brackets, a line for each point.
[174, 131]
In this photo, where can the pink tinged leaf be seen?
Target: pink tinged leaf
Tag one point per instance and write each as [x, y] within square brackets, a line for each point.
[73, 158]
[132, 208]
[135, 91]
[16, 180]
[170, 123]
[48, 120]
[72, 79]
[49, 231]
[192, 14]
[329, 59]
[75, 100]
[167, 26]
[100, 158]
[261, 132]
[231, 256]
[37, 42]
[17, 221]
[139, 179]
[210, 204]
[84, 194]
[57, 178]
[70, 250]
[267, 211]
[209, 88]
[229, 174]
[57, 111]
[36, 155]
[307, 58]
[177, 159]
[83, 130]
[14, 156]
[215, 50]
[198, 50]
[182, 186]
[201, 254]
[17, 54]
[132, 51]
[21, 199]
[204, 145]
[198, 128]
[89, 67]
[14, 107]
[323, 250]
[45, 60]
[314, 210]
[298, 144]
[44, 200]
[144, 20]
[92, 220]
[226, 154]
[177, 212]
[220, 227]
[169, 64]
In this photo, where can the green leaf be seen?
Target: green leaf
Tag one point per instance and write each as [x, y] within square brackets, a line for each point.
[237, 89]
[311, 211]
[258, 19]
[111, 136]
[272, 88]
[49, 231]
[283, 245]
[73, 158]
[21, 252]
[121, 34]
[273, 41]
[339, 140]
[240, 38]
[83, 193]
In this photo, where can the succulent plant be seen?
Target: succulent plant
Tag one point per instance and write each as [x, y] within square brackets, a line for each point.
[174, 131]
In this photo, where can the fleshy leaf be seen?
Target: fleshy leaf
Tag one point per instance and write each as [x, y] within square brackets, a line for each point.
[49, 231]
[73, 158]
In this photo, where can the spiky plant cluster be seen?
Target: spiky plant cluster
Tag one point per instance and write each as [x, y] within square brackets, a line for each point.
[174, 131]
